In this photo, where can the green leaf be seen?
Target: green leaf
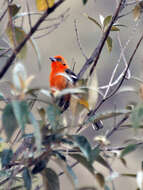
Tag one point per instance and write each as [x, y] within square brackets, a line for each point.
[130, 148]
[109, 43]
[95, 153]
[37, 51]
[19, 36]
[27, 179]
[106, 187]
[128, 175]
[115, 28]
[107, 115]
[9, 121]
[84, 1]
[2, 96]
[6, 157]
[103, 162]
[107, 21]
[50, 179]
[14, 9]
[83, 145]
[53, 113]
[17, 187]
[37, 132]
[21, 112]
[137, 116]
[94, 20]
[82, 160]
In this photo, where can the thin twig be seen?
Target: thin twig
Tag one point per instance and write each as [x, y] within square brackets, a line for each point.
[114, 129]
[29, 16]
[121, 82]
[78, 40]
[97, 51]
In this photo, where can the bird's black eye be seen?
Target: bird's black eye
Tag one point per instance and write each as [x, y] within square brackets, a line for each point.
[59, 59]
[64, 64]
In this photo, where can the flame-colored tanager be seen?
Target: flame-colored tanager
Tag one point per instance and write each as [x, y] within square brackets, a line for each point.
[59, 81]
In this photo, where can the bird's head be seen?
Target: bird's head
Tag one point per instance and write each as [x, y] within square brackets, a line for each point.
[58, 63]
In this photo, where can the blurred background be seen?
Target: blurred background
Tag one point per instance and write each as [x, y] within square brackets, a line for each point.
[62, 41]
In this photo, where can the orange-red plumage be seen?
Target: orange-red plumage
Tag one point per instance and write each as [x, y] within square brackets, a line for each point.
[58, 66]
[58, 81]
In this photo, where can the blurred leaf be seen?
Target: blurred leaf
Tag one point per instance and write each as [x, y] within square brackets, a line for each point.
[109, 43]
[37, 133]
[102, 19]
[107, 115]
[106, 22]
[9, 121]
[128, 175]
[62, 163]
[137, 12]
[50, 179]
[3, 145]
[130, 148]
[19, 75]
[6, 157]
[95, 153]
[84, 1]
[69, 91]
[137, 116]
[43, 5]
[100, 179]
[27, 179]
[72, 174]
[84, 145]
[42, 114]
[37, 51]
[20, 109]
[84, 103]
[115, 28]
[123, 162]
[82, 160]
[106, 187]
[93, 20]
[87, 188]
[14, 9]
[17, 187]
[53, 114]
[39, 167]
[139, 179]
[92, 86]
[103, 162]
[18, 35]
[5, 173]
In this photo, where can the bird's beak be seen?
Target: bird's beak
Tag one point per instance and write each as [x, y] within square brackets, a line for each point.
[52, 59]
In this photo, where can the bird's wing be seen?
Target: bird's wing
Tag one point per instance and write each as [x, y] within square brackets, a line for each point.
[71, 74]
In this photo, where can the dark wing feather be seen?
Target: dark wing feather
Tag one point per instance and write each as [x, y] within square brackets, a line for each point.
[71, 74]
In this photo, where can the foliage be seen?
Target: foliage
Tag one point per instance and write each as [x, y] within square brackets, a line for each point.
[34, 136]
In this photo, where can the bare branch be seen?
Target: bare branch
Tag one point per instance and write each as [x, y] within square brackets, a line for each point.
[78, 41]
[28, 36]
[96, 53]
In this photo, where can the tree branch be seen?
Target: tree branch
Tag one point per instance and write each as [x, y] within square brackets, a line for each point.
[91, 113]
[28, 36]
[96, 53]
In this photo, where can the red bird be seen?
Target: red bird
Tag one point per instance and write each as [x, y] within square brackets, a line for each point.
[59, 81]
